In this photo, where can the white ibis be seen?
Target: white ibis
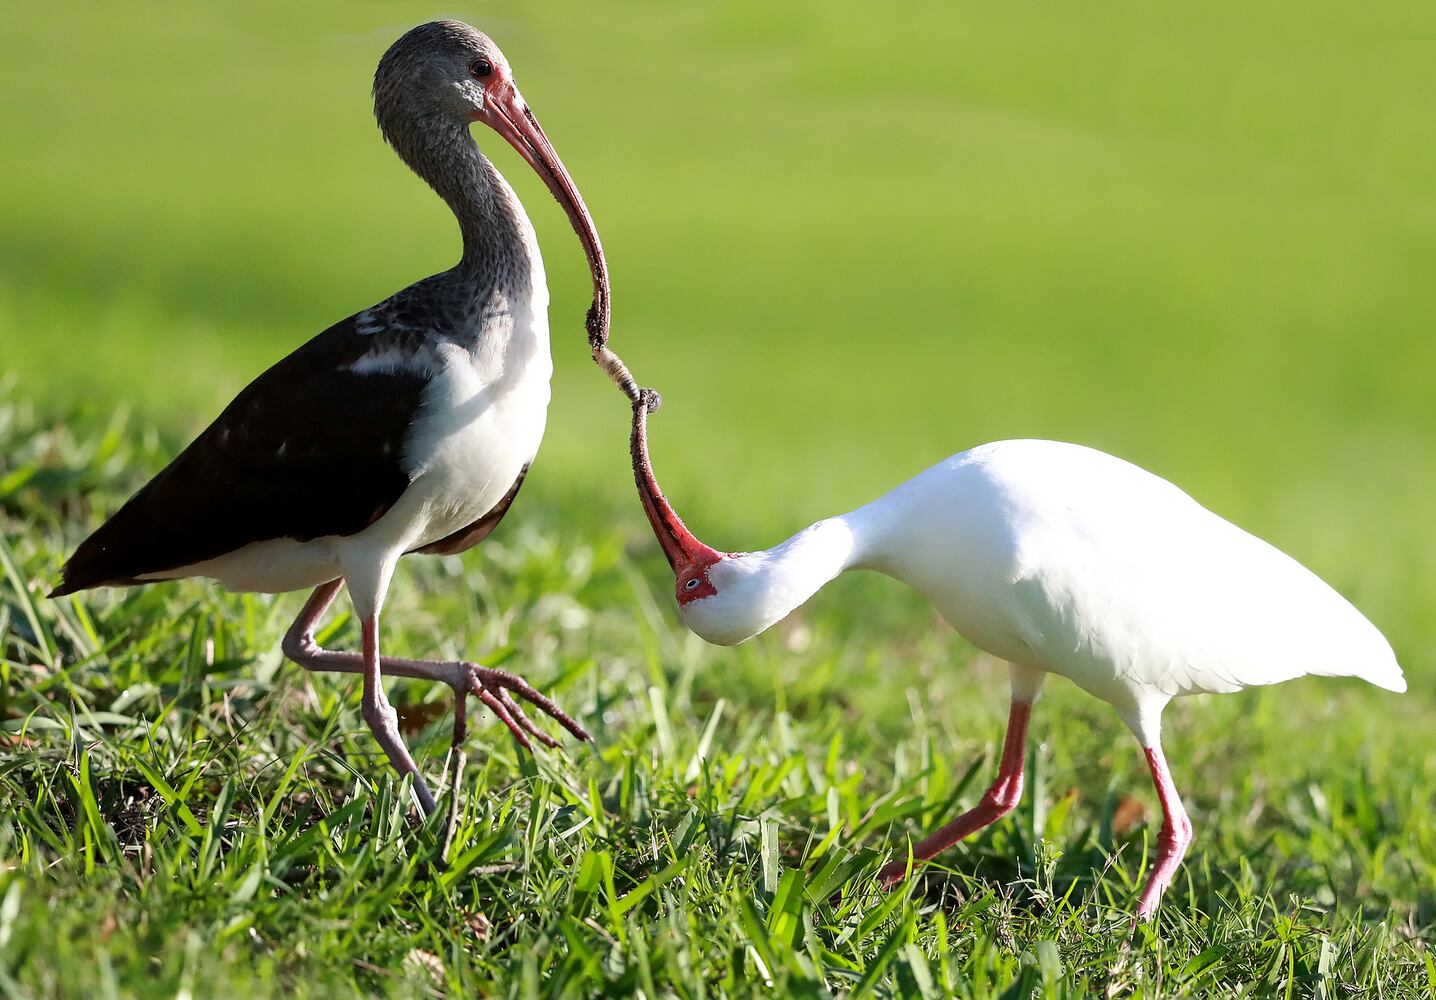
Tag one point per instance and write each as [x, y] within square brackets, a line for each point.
[1062, 560]
[405, 428]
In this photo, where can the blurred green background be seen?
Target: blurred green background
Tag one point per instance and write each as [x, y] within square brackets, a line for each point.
[844, 245]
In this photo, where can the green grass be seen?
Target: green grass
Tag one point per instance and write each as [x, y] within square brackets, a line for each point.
[187, 813]
[843, 246]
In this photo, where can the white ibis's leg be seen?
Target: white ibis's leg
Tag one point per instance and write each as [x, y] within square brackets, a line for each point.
[999, 800]
[492, 686]
[1175, 835]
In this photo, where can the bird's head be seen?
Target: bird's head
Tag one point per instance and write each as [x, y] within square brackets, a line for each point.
[718, 593]
[443, 69]
[441, 76]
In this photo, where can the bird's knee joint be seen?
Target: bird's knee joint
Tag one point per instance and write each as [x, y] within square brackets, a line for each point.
[1005, 796]
[1005, 804]
[299, 647]
[1175, 836]
[381, 715]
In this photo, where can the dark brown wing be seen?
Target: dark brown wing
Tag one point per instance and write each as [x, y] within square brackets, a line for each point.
[309, 448]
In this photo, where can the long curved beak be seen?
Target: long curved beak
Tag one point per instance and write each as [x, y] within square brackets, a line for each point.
[508, 114]
[678, 543]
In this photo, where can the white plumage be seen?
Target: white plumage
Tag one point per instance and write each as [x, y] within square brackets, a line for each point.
[1073, 561]
[1062, 560]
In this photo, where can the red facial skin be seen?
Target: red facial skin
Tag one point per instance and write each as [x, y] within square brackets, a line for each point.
[693, 583]
[691, 559]
[508, 114]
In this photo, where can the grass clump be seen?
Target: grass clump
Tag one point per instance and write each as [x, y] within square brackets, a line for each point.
[185, 814]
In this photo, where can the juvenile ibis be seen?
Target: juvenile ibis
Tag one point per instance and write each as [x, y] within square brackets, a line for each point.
[1059, 559]
[406, 428]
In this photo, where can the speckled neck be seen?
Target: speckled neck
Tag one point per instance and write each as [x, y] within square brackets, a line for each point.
[500, 247]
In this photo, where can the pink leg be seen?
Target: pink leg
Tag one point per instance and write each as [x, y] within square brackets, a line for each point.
[998, 801]
[493, 687]
[1172, 841]
[384, 721]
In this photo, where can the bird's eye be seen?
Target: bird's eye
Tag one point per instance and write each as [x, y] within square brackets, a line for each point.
[691, 584]
[481, 68]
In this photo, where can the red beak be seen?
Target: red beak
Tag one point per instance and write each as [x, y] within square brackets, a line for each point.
[679, 545]
[508, 114]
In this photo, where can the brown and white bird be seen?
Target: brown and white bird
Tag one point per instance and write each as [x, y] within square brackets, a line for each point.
[405, 428]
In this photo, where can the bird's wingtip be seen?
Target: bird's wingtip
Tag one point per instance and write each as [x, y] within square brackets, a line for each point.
[1390, 677]
[68, 585]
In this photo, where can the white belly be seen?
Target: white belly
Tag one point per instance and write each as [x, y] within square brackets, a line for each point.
[469, 445]
[480, 424]
[269, 567]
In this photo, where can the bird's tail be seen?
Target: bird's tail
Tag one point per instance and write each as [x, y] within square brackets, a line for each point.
[1386, 675]
[1354, 647]
[1377, 661]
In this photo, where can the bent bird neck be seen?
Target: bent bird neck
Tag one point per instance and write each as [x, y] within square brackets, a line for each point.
[499, 241]
[798, 568]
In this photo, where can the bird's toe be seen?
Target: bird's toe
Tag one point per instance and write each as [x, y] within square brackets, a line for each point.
[892, 873]
[506, 689]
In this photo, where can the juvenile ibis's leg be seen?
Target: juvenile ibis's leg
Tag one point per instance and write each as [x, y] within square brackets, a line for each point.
[384, 721]
[495, 688]
[999, 800]
[459, 758]
[1172, 840]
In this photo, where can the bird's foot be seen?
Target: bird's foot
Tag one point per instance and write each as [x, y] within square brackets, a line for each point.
[892, 873]
[496, 689]
[889, 876]
[501, 691]
[1147, 905]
